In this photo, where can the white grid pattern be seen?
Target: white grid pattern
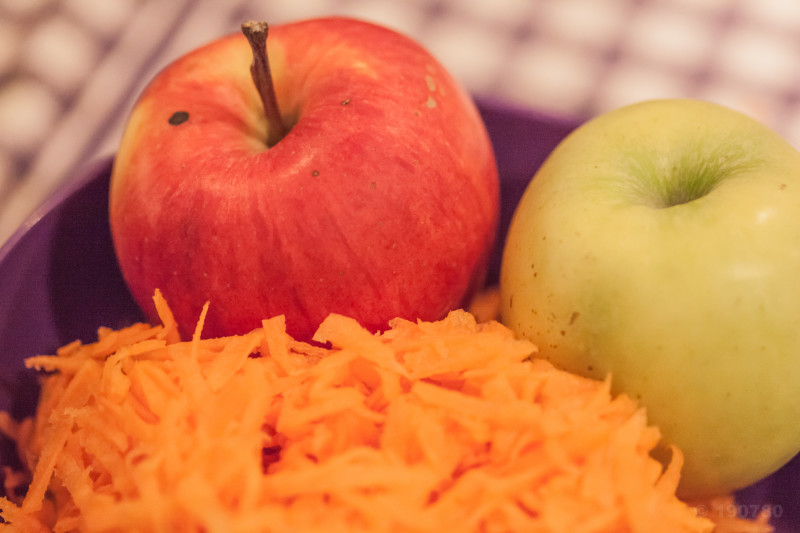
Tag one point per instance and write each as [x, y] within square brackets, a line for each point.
[70, 69]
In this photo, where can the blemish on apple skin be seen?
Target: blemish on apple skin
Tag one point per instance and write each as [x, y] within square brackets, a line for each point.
[431, 103]
[315, 173]
[431, 83]
[178, 118]
[345, 101]
[573, 317]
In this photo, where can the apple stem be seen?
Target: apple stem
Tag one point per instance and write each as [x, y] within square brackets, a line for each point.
[256, 33]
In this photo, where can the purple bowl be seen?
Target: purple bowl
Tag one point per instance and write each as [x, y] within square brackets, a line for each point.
[59, 280]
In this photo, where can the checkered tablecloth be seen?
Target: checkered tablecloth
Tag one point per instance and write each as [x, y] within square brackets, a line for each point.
[70, 69]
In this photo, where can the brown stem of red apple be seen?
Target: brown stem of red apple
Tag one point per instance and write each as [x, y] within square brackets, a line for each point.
[256, 33]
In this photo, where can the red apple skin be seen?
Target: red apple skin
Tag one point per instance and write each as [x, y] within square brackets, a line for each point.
[380, 202]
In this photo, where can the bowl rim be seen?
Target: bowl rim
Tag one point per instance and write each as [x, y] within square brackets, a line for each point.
[84, 175]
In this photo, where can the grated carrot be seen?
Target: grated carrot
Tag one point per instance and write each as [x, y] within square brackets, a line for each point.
[425, 427]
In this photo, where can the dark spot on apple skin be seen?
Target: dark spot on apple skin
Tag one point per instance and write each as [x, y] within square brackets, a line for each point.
[315, 173]
[178, 118]
[573, 317]
[782, 186]
[345, 101]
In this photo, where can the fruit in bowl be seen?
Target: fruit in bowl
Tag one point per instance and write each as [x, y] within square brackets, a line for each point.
[359, 180]
[660, 244]
[59, 281]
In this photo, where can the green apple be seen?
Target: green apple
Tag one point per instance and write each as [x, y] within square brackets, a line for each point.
[660, 243]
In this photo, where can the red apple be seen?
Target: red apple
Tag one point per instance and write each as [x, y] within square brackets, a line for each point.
[378, 199]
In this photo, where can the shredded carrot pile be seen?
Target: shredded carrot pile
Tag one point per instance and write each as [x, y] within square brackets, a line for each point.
[427, 427]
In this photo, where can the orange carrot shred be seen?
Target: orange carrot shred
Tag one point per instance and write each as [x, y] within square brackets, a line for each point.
[428, 426]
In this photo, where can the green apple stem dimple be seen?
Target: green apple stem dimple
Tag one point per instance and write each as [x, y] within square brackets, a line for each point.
[256, 33]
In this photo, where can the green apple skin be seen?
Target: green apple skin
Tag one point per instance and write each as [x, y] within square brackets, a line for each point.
[660, 243]
[381, 201]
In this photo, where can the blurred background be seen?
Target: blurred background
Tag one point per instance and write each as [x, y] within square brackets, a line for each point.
[71, 69]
